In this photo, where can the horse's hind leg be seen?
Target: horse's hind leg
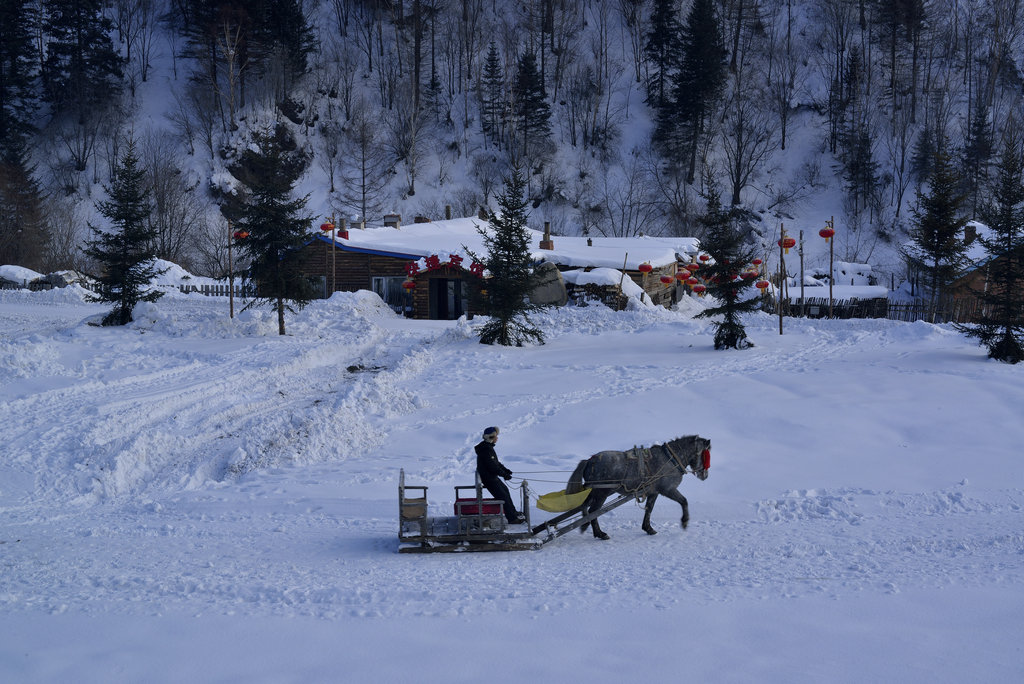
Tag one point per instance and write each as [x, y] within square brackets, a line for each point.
[681, 500]
[651, 498]
[596, 503]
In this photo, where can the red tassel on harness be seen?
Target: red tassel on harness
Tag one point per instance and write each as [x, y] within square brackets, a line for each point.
[706, 455]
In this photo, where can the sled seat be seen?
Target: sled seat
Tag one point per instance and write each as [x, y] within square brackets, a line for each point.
[412, 504]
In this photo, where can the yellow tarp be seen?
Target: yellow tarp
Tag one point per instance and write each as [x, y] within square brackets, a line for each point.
[558, 502]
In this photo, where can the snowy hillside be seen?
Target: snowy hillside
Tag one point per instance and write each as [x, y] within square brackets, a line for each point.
[826, 110]
[194, 498]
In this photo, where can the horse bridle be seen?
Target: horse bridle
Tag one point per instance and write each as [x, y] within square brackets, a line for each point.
[705, 461]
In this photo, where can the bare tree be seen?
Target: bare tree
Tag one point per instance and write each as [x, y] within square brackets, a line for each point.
[364, 165]
[177, 218]
[748, 140]
[627, 205]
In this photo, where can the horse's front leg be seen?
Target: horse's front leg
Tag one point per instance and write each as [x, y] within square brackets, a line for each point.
[681, 500]
[651, 498]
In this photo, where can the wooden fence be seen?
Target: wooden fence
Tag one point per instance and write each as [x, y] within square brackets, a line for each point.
[240, 290]
[959, 310]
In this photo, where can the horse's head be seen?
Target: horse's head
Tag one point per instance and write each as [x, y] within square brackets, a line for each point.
[695, 452]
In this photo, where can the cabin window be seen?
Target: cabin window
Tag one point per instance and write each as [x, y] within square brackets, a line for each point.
[390, 289]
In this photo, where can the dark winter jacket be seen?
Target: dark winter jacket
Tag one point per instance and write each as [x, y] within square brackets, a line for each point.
[487, 463]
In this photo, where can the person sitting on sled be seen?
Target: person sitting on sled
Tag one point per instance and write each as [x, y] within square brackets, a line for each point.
[491, 469]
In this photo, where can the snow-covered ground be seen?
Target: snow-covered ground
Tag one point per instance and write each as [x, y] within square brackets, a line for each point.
[194, 498]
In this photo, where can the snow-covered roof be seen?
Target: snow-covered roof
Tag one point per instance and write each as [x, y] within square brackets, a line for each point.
[18, 274]
[461, 236]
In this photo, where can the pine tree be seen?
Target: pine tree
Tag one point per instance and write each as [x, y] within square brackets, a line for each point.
[976, 156]
[662, 52]
[1001, 328]
[530, 106]
[82, 71]
[18, 99]
[698, 85]
[125, 251]
[722, 275]
[274, 222]
[492, 96]
[937, 248]
[23, 235]
[510, 264]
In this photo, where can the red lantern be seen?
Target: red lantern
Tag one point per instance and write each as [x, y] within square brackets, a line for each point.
[762, 284]
[645, 268]
[691, 281]
[241, 234]
[682, 276]
[787, 242]
[667, 279]
[326, 227]
[704, 257]
[694, 266]
[699, 289]
[409, 284]
[748, 275]
[757, 262]
[826, 233]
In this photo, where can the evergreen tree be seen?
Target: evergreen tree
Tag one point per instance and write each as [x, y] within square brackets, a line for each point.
[976, 156]
[698, 85]
[510, 264]
[722, 275]
[662, 52]
[492, 96]
[276, 226]
[23, 236]
[18, 99]
[530, 106]
[125, 251]
[1001, 328]
[82, 71]
[937, 248]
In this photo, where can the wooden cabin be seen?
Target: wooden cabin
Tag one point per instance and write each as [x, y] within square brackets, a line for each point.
[429, 269]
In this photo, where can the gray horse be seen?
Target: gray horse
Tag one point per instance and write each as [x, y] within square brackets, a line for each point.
[643, 472]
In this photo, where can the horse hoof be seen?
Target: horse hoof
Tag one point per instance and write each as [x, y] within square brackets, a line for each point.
[686, 523]
[650, 530]
[602, 536]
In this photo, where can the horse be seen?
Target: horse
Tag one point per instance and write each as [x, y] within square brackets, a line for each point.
[641, 472]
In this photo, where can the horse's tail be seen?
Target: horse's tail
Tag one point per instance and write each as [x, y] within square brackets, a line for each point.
[575, 484]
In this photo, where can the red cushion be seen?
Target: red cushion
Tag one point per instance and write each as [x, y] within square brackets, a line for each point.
[470, 507]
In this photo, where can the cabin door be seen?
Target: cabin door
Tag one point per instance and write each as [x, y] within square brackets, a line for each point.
[447, 298]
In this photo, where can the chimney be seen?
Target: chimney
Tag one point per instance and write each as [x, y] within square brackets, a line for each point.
[547, 243]
[421, 219]
[970, 234]
[393, 221]
[342, 229]
[482, 214]
[448, 212]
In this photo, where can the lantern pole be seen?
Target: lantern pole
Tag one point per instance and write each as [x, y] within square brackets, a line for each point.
[231, 276]
[831, 268]
[334, 255]
[782, 269]
[801, 253]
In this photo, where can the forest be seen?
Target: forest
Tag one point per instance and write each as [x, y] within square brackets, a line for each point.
[624, 115]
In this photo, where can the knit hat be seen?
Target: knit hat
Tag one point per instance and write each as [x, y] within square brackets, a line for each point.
[490, 434]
